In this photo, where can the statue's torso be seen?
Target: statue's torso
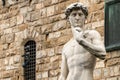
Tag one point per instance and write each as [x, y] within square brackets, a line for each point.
[80, 62]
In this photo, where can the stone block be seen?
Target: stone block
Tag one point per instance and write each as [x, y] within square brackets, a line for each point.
[43, 60]
[4, 10]
[106, 72]
[41, 54]
[54, 65]
[38, 76]
[50, 43]
[46, 29]
[44, 67]
[54, 35]
[62, 0]
[50, 52]
[8, 31]
[108, 55]
[2, 61]
[54, 1]
[112, 71]
[20, 19]
[31, 8]
[54, 18]
[37, 23]
[100, 64]
[63, 40]
[59, 25]
[62, 7]
[7, 74]
[45, 74]
[95, 16]
[43, 12]
[23, 10]
[54, 73]
[16, 59]
[95, 1]
[113, 61]
[50, 10]
[2, 55]
[63, 16]
[57, 9]
[115, 54]
[5, 46]
[58, 49]
[39, 5]
[10, 38]
[22, 27]
[35, 15]
[11, 61]
[96, 7]
[13, 11]
[97, 74]
[27, 17]
[6, 61]
[116, 70]
[19, 36]
[47, 3]
[97, 24]
[112, 78]
[10, 67]
[13, 21]
[53, 78]
[54, 58]
[4, 24]
[100, 30]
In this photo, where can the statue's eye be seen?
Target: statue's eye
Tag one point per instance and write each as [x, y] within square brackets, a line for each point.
[80, 14]
[74, 14]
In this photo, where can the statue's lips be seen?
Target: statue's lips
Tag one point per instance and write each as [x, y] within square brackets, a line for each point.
[78, 29]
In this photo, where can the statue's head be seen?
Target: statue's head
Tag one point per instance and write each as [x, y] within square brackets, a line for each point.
[76, 6]
[76, 14]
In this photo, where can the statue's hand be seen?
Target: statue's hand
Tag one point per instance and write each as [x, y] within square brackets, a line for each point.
[83, 35]
[78, 34]
[88, 36]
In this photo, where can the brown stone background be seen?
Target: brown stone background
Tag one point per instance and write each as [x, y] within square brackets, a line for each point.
[44, 21]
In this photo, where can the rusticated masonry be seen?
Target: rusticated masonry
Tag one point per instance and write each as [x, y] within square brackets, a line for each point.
[43, 21]
[4, 1]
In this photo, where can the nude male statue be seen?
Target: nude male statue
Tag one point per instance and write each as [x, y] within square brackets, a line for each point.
[79, 54]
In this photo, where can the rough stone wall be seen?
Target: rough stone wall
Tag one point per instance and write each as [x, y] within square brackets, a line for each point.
[44, 21]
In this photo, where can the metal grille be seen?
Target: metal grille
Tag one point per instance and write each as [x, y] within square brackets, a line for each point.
[30, 60]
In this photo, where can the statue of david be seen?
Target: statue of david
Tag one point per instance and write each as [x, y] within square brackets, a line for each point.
[80, 53]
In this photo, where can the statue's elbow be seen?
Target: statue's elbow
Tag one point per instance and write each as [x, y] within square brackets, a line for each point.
[103, 55]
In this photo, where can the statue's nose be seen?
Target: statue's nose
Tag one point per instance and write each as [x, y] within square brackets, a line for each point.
[77, 17]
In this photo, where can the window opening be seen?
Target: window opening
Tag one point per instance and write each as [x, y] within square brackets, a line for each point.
[29, 64]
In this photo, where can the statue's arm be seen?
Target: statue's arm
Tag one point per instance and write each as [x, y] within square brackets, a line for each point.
[64, 68]
[96, 47]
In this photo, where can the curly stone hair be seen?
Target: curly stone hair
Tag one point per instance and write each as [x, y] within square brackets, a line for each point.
[76, 6]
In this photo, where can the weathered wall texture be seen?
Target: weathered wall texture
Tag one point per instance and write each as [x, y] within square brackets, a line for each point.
[44, 21]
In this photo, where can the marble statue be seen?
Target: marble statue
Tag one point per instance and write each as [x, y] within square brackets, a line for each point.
[80, 53]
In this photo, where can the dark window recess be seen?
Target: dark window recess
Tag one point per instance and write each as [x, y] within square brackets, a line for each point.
[30, 60]
[112, 25]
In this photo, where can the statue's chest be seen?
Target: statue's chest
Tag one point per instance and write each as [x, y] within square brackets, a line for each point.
[75, 49]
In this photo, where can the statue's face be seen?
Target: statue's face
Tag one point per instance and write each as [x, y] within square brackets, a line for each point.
[77, 18]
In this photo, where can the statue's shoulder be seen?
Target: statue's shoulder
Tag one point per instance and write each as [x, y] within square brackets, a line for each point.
[94, 33]
[68, 44]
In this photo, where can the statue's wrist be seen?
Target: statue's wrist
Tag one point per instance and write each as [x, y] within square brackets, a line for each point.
[80, 41]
